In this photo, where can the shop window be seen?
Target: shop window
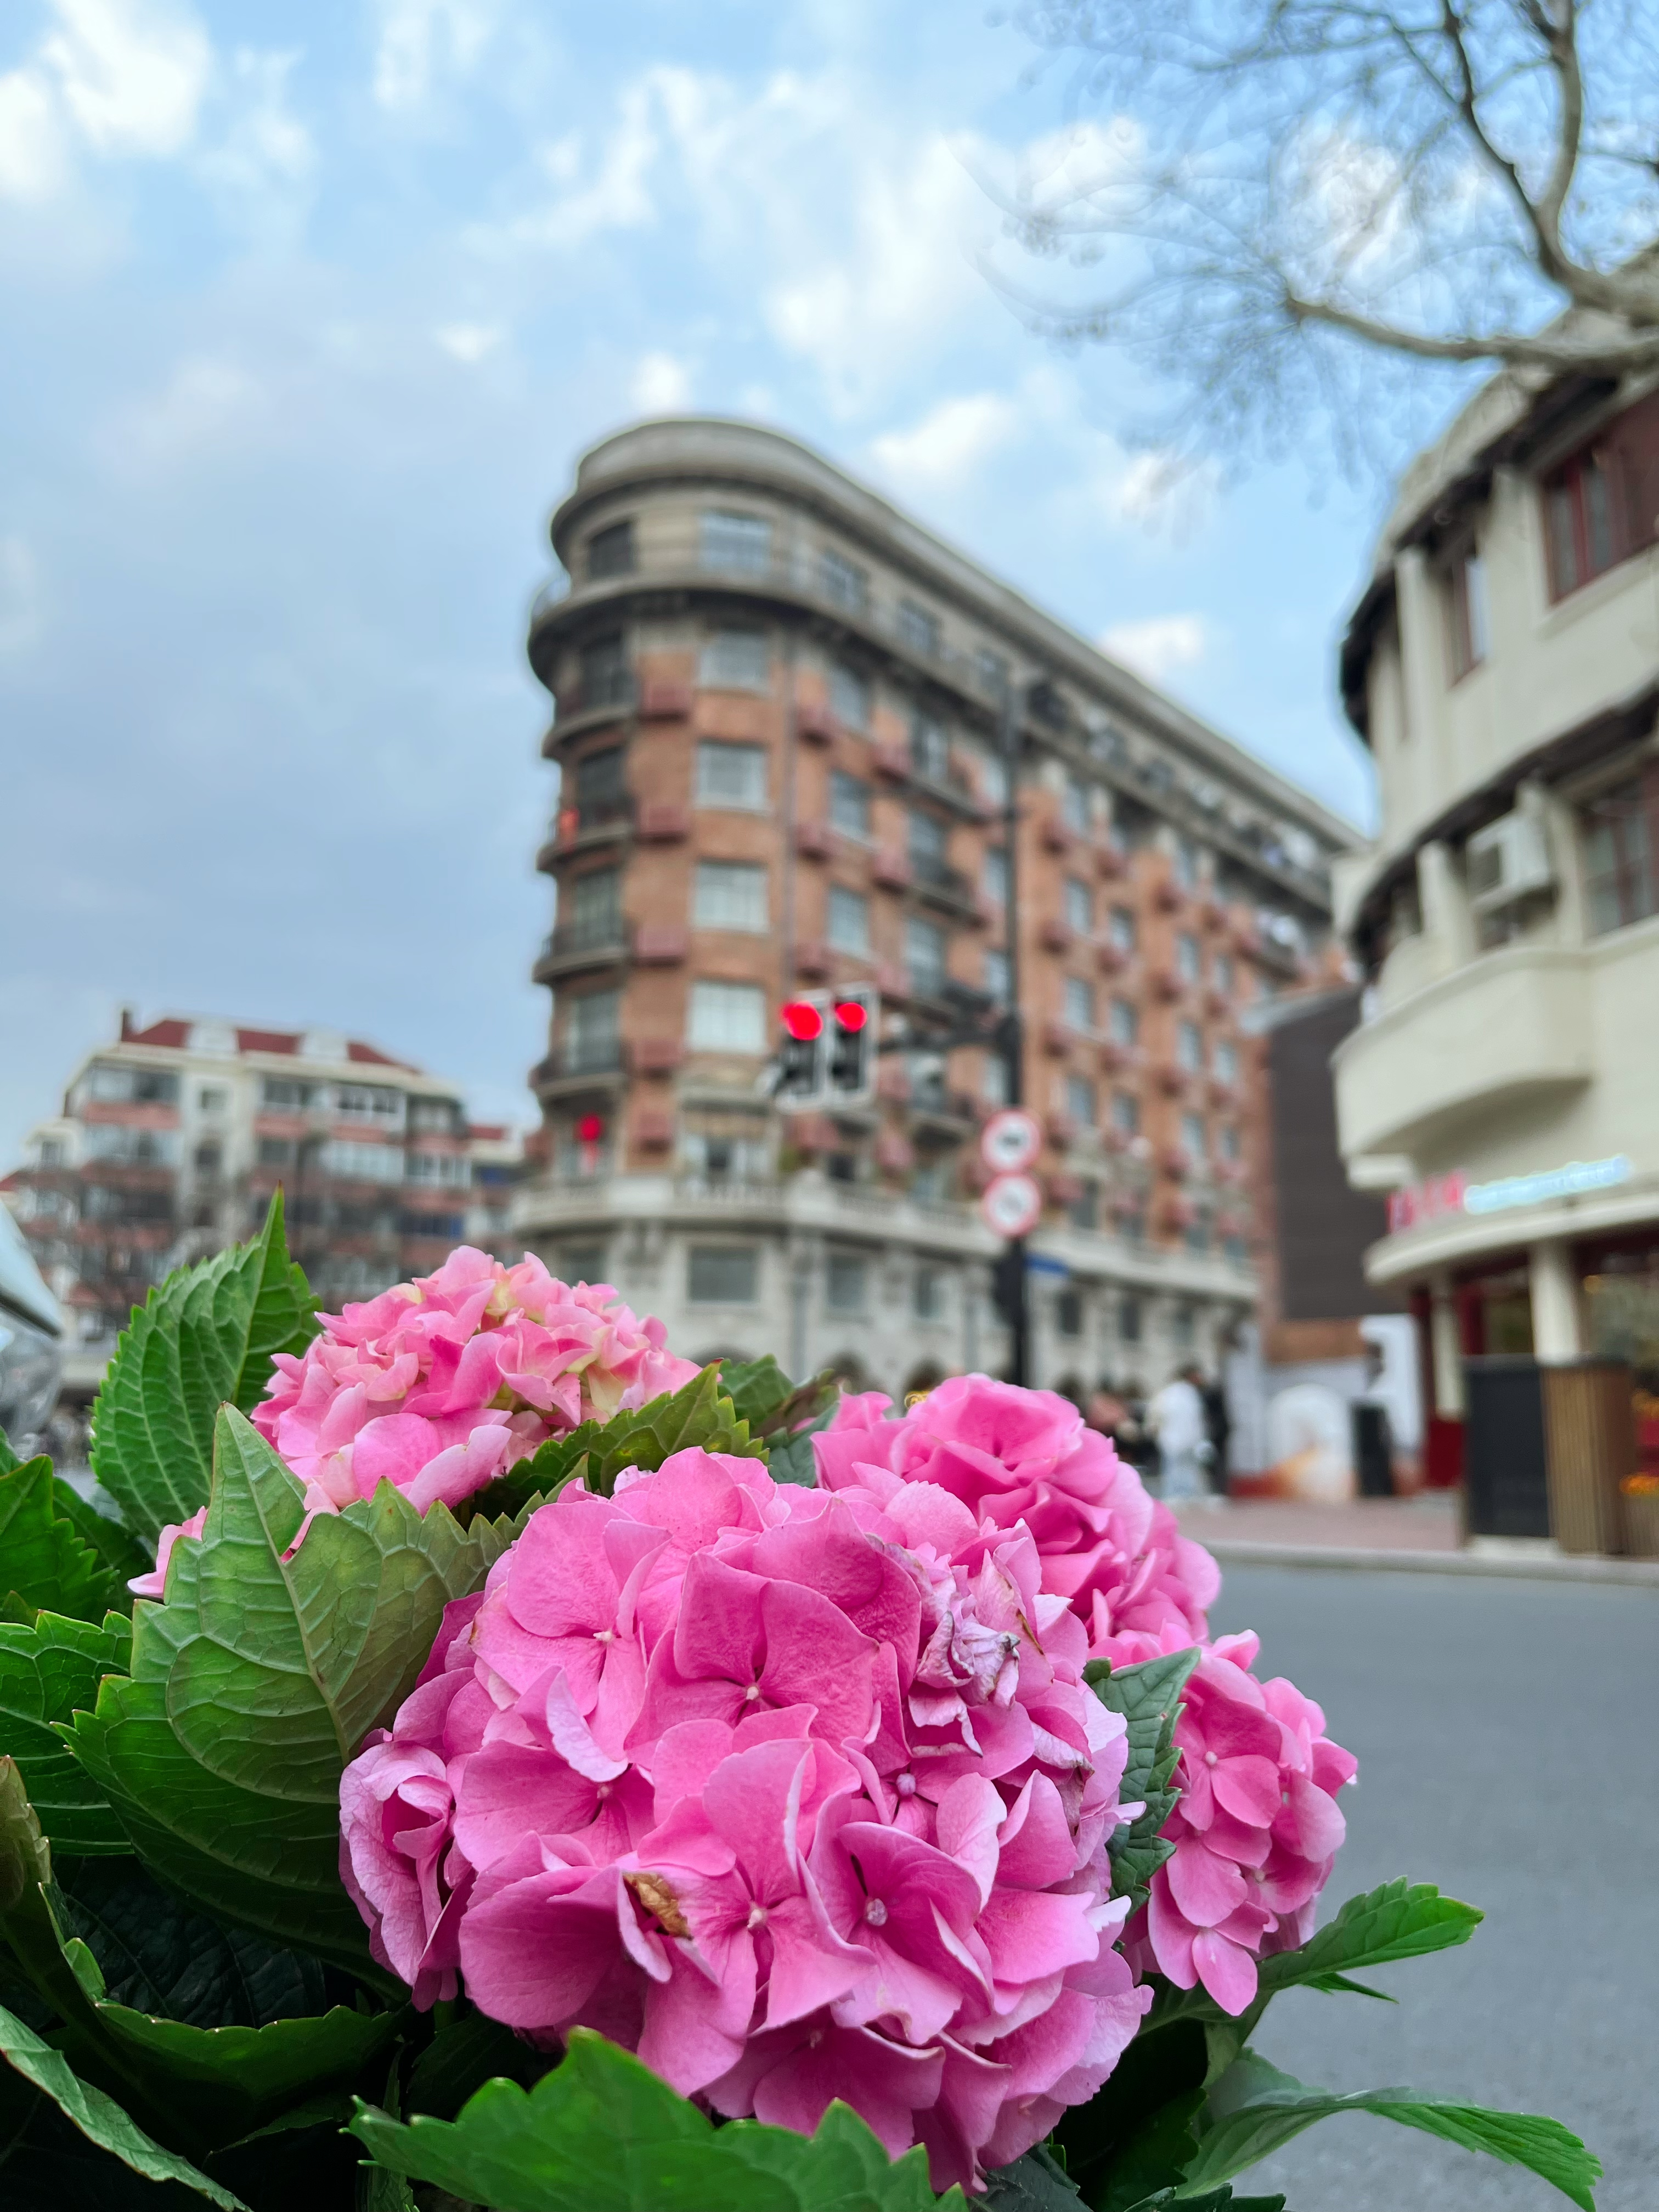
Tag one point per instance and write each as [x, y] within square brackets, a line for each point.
[1619, 843]
[734, 541]
[731, 775]
[849, 921]
[722, 1275]
[610, 551]
[849, 804]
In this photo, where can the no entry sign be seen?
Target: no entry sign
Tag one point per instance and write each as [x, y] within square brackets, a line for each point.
[1009, 1140]
[1010, 1205]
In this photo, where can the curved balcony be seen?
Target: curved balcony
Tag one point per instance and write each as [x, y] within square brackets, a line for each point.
[1513, 1025]
[576, 946]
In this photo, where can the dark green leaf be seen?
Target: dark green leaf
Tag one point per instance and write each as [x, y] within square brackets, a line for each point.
[1255, 2108]
[113, 1541]
[1398, 1920]
[204, 1338]
[1149, 1698]
[1035, 2182]
[462, 2057]
[8, 1458]
[1155, 2157]
[1208, 2200]
[602, 2133]
[47, 1672]
[99, 2117]
[256, 1682]
[158, 1954]
[773, 1405]
[42, 1557]
[1158, 2069]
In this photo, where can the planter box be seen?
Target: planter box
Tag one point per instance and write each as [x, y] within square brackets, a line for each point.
[1641, 1519]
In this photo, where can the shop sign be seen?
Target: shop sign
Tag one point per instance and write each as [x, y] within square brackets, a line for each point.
[1438, 1196]
[1578, 1176]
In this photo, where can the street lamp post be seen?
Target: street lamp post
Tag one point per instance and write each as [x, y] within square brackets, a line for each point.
[1012, 1287]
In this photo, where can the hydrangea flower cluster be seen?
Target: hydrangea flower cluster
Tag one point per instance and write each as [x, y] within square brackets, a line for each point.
[1257, 1825]
[442, 1384]
[801, 1796]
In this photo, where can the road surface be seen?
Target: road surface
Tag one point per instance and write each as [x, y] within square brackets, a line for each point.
[1508, 1740]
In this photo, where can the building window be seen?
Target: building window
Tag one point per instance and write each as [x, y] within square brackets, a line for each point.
[741, 542]
[927, 1294]
[447, 1168]
[1468, 612]
[1221, 973]
[849, 919]
[601, 786]
[991, 670]
[1125, 1114]
[1068, 1313]
[212, 1098]
[849, 696]
[1074, 806]
[844, 1282]
[1080, 1102]
[730, 895]
[1578, 501]
[928, 839]
[595, 909]
[368, 1102]
[276, 1151]
[727, 1018]
[593, 1025]
[1226, 1061]
[1189, 1048]
[1079, 906]
[923, 955]
[1198, 1233]
[731, 775]
[1121, 929]
[1083, 1212]
[1080, 1005]
[1122, 1023]
[843, 582]
[442, 1115]
[50, 1153]
[1227, 1142]
[721, 1275]
[994, 779]
[281, 1093]
[993, 874]
[606, 678]
[849, 804]
[727, 1149]
[996, 979]
[1192, 1136]
[930, 748]
[1619, 873]
[918, 629]
[1185, 864]
[736, 660]
[1131, 1320]
[610, 551]
[136, 1087]
[361, 1163]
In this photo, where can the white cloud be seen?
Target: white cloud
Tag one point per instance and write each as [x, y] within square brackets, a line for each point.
[469, 342]
[20, 612]
[263, 166]
[661, 385]
[1159, 644]
[1166, 491]
[34, 157]
[132, 72]
[950, 442]
[421, 41]
[210, 402]
[616, 194]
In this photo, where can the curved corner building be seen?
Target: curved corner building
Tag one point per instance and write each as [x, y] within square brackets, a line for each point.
[778, 702]
[1503, 667]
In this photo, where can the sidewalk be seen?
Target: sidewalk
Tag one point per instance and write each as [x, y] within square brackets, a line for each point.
[1418, 1534]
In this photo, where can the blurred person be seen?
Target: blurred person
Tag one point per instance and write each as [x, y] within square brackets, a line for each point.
[1218, 1429]
[1106, 1412]
[1175, 1417]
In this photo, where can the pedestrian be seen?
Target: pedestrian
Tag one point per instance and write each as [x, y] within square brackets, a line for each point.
[1217, 1427]
[1106, 1411]
[1175, 1417]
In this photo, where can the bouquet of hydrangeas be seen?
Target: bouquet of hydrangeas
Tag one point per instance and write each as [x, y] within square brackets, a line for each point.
[540, 1774]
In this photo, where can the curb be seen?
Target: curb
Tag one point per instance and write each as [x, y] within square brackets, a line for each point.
[1643, 1574]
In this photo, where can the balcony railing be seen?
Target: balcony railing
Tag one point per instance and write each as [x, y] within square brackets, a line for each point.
[614, 688]
[579, 1056]
[590, 941]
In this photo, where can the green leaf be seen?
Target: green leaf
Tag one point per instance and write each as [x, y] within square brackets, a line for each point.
[204, 1338]
[1254, 2109]
[1149, 1698]
[113, 1541]
[763, 1395]
[43, 1559]
[602, 2133]
[596, 1453]
[464, 2054]
[48, 1672]
[1398, 1920]
[257, 1679]
[158, 1954]
[99, 2117]
[1035, 2182]
[8, 1458]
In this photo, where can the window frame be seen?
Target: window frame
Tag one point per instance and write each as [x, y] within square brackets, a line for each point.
[711, 749]
[752, 874]
[702, 995]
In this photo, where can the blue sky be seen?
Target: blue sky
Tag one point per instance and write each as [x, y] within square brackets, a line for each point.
[308, 310]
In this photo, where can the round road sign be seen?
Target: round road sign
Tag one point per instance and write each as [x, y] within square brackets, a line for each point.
[1010, 1205]
[1009, 1140]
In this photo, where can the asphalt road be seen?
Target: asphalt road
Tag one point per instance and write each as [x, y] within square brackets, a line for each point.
[1508, 1740]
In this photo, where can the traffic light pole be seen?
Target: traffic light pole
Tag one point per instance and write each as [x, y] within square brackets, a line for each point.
[1016, 1287]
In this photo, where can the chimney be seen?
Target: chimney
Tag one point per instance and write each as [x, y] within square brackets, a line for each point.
[128, 1026]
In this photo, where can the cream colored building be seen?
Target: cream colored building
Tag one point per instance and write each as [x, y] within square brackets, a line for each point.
[1503, 666]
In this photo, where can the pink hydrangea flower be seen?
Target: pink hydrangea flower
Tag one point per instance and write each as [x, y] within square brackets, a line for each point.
[1012, 1456]
[153, 1584]
[798, 1799]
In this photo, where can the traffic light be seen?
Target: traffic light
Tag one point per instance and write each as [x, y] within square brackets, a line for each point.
[800, 1055]
[853, 1025]
[826, 1054]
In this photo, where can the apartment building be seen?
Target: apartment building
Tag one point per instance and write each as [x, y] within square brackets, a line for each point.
[1503, 666]
[785, 715]
[173, 1136]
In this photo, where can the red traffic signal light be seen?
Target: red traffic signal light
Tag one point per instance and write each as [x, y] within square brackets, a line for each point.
[851, 1015]
[802, 1019]
[590, 1128]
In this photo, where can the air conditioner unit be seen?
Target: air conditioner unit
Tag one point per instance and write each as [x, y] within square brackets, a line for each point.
[1507, 860]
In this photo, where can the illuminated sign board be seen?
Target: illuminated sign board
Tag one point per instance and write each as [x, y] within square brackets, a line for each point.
[1438, 1196]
